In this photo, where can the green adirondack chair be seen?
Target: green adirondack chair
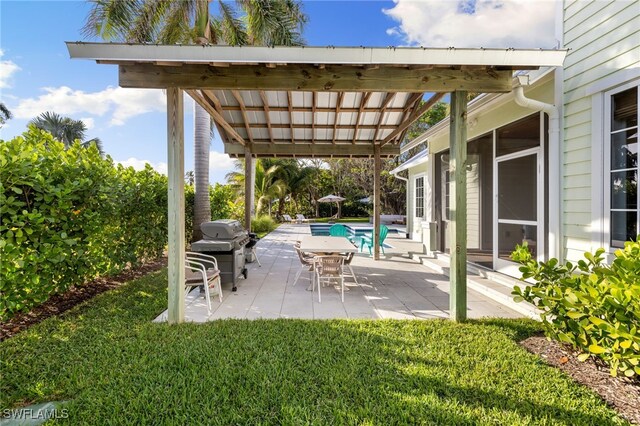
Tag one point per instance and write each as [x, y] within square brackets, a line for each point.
[367, 240]
[338, 230]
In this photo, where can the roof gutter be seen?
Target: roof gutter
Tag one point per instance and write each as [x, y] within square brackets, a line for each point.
[554, 160]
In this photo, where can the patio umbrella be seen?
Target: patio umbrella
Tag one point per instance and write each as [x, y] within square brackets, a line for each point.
[331, 199]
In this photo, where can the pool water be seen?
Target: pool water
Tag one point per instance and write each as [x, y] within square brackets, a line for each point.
[355, 232]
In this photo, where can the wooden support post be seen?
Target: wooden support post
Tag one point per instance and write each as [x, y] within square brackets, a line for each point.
[249, 186]
[377, 167]
[175, 144]
[458, 206]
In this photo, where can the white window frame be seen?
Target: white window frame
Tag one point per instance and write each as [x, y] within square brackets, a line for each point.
[415, 195]
[606, 167]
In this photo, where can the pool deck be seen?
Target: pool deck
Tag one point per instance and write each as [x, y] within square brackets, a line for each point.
[394, 287]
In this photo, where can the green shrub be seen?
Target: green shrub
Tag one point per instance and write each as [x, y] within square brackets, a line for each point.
[592, 306]
[69, 215]
[263, 224]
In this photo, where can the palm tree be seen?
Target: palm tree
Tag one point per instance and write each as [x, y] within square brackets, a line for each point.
[5, 114]
[268, 187]
[65, 129]
[265, 22]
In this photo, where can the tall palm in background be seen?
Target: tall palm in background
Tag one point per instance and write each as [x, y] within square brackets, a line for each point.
[268, 186]
[263, 22]
[65, 129]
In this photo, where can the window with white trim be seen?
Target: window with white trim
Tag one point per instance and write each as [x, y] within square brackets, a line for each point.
[622, 137]
[419, 196]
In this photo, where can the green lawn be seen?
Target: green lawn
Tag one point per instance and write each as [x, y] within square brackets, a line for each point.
[114, 366]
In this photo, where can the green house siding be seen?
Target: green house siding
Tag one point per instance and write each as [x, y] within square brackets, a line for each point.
[604, 40]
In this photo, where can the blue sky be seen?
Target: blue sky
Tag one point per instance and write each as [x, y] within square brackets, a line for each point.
[36, 74]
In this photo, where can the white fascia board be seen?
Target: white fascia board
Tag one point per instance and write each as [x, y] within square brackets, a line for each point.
[482, 102]
[316, 55]
[420, 158]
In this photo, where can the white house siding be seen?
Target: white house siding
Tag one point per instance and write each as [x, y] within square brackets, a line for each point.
[483, 120]
[604, 40]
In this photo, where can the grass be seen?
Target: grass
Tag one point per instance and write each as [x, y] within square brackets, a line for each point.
[342, 220]
[116, 367]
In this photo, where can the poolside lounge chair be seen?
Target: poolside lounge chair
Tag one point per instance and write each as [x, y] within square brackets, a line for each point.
[300, 218]
[202, 270]
[287, 218]
[367, 240]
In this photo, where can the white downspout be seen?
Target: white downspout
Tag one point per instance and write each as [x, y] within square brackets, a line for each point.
[554, 161]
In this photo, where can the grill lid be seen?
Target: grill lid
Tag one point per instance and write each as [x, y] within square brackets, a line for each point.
[222, 229]
[204, 246]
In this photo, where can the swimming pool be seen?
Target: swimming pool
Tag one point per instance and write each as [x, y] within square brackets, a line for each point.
[355, 232]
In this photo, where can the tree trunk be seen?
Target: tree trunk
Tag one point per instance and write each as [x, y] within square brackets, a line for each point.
[202, 203]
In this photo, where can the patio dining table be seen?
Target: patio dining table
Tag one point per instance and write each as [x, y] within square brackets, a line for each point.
[326, 245]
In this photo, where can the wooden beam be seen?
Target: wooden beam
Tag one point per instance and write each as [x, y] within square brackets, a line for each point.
[245, 119]
[211, 98]
[217, 117]
[265, 108]
[176, 233]
[337, 116]
[289, 106]
[383, 109]
[309, 109]
[249, 186]
[308, 77]
[458, 206]
[363, 103]
[377, 167]
[413, 117]
[316, 126]
[320, 150]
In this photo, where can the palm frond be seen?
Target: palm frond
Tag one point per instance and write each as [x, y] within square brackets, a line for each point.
[232, 28]
[110, 19]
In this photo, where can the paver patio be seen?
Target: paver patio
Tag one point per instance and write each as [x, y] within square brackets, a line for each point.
[393, 287]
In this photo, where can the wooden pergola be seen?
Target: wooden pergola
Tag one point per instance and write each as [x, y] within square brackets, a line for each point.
[322, 102]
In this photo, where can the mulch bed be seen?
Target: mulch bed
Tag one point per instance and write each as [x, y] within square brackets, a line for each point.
[75, 295]
[620, 393]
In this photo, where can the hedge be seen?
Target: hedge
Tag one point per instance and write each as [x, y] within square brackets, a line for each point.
[69, 215]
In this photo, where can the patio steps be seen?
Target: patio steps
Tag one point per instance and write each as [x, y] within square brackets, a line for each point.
[492, 284]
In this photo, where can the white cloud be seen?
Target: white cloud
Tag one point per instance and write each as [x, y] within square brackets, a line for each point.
[140, 164]
[219, 161]
[89, 122]
[121, 104]
[481, 23]
[7, 69]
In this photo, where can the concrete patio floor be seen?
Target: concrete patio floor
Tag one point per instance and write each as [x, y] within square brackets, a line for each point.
[394, 287]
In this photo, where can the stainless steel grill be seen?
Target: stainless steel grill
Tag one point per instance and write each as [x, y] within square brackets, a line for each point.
[225, 239]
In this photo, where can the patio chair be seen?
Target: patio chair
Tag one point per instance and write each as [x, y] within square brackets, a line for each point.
[306, 263]
[286, 218]
[201, 270]
[329, 268]
[300, 218]
[347, 264]
[339, 230]
[367, 239]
